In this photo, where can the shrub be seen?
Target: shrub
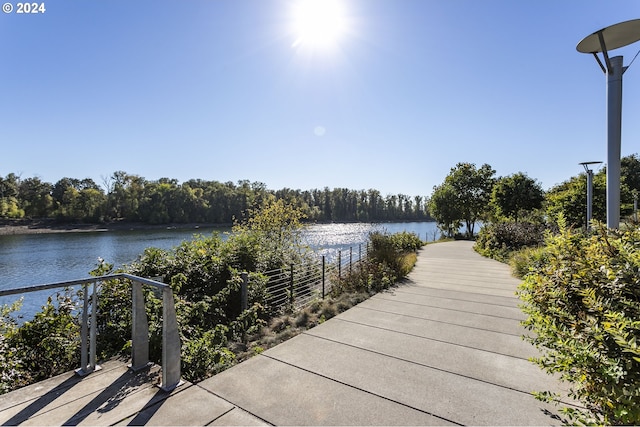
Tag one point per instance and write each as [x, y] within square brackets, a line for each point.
[405, 241]
[390, 258]
[11, 373]
[49, 344]
[499, 240]
[206, 355]
[527, 259]
[583, 306]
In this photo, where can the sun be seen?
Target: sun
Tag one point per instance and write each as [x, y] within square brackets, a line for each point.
[318, 24]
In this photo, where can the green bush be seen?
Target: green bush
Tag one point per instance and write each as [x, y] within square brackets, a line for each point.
[406, 241]
[47, 345]
[206, 355]
[12, 374]
[499, 240]
[390, 257]
[583, 308]
[527, 259]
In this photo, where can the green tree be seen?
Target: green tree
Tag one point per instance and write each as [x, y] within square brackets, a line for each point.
[9, 208]
[277, 229]
[124, 193]
[469, 190]
[630, 172]
[445, 209]
[570, 199]
[90, 205]
[516, 193]
[9, 203]
[35, 198]
[9, 185]
[79, 200]
[157, 199]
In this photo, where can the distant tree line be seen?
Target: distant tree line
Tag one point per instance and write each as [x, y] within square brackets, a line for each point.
[470, 194]
[132, 198]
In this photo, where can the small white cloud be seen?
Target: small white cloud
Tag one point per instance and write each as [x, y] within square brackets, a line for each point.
[319, 130]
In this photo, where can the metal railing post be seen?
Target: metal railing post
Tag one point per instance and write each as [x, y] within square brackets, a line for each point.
[88, 353]
[93, 330]
[350, 258]
[170, 343]
[323, 276]
[84, 331]
[139, 329]
[292, 289]
[244, 304]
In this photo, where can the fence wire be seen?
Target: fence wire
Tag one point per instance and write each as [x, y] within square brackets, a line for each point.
[299, 285]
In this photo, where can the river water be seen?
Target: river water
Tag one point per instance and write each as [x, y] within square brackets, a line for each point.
[34, 259]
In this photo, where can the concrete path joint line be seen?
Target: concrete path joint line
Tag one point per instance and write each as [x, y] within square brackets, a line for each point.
[441, 321]
[360, 389]
[403, 291]
[430, 339]
[469, 286]
[235, 405]
[410, 361]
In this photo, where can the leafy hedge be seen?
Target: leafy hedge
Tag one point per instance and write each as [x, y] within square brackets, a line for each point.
[499, 240]
[583, 307]
[42, 347]
[390, 258]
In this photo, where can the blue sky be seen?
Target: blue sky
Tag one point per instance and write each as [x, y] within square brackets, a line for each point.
[216, 89]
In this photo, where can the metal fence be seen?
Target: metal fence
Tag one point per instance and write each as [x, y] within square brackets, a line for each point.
[139, 330]
[297, 286]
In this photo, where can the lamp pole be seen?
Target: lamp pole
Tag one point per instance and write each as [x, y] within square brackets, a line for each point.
[614, 138]
[589, 191]
[610, 38]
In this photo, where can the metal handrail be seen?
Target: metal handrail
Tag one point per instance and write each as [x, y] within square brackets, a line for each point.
[139, 329]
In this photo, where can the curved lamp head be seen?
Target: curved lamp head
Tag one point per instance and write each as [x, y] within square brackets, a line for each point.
[611, 37]
[587, 164]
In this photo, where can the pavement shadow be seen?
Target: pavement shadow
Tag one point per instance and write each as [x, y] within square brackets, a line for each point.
[109, 398]
[42, 402]
[150, 409]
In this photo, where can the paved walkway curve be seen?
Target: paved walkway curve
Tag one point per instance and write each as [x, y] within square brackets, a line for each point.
[442, 348]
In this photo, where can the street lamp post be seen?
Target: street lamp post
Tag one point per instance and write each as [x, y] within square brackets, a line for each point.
[589, 191]
[610, 38]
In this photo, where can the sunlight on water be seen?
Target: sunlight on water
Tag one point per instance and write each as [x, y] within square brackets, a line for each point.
[327, 239]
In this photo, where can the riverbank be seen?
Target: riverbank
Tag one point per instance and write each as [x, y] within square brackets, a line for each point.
[17, 227]
[45, 227]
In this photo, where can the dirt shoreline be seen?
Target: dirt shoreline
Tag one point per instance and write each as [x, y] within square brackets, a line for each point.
[36, 227]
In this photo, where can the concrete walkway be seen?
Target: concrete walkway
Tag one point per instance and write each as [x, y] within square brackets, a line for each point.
[442, 348]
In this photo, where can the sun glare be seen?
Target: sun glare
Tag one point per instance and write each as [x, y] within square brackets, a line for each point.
[318, 23]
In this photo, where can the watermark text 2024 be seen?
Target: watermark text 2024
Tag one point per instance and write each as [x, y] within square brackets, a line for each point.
[24, 8]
